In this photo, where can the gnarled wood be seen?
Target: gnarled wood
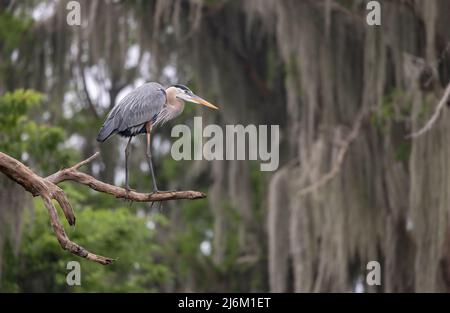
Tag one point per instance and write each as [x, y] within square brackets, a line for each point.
[47, 189]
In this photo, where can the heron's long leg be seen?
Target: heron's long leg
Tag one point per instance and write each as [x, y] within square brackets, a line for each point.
[148, 154]
[127, 154]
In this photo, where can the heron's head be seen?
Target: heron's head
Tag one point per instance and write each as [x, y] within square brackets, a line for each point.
[184, 93]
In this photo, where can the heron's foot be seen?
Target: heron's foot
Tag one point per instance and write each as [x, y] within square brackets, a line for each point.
[127, 191]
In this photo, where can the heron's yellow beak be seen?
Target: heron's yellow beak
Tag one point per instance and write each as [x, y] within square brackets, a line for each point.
[199, 100]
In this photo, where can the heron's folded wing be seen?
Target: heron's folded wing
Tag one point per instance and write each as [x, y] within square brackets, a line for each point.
[140, 106]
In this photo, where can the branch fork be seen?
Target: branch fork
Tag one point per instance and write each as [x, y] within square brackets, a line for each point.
[47, 188]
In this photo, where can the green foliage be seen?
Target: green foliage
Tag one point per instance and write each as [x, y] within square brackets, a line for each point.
[425, 111]
[291, 69]
[403, 151]
[186, 241]
[394, 108]
[23, 138]
[171, 168]
[348, 4]
[12, 30]
[14, 105]
[41, 263]
[258, 191]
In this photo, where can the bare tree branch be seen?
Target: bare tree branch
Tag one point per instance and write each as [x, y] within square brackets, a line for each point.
[445, 98]
[65, 242]
[85, 179]
[47, 189]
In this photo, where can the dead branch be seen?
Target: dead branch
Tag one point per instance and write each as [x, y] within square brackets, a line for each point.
[48, 190]
[344, 146]
[445, 98]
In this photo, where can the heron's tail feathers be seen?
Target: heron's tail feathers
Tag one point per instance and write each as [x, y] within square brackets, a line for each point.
[108, 129]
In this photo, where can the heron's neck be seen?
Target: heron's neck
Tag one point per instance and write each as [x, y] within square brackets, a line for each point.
[174, 104]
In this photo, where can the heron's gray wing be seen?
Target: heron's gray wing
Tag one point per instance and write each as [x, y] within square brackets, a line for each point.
[140, 106]
[136, 108]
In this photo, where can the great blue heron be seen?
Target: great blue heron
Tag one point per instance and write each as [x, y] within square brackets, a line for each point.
[143, 108]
